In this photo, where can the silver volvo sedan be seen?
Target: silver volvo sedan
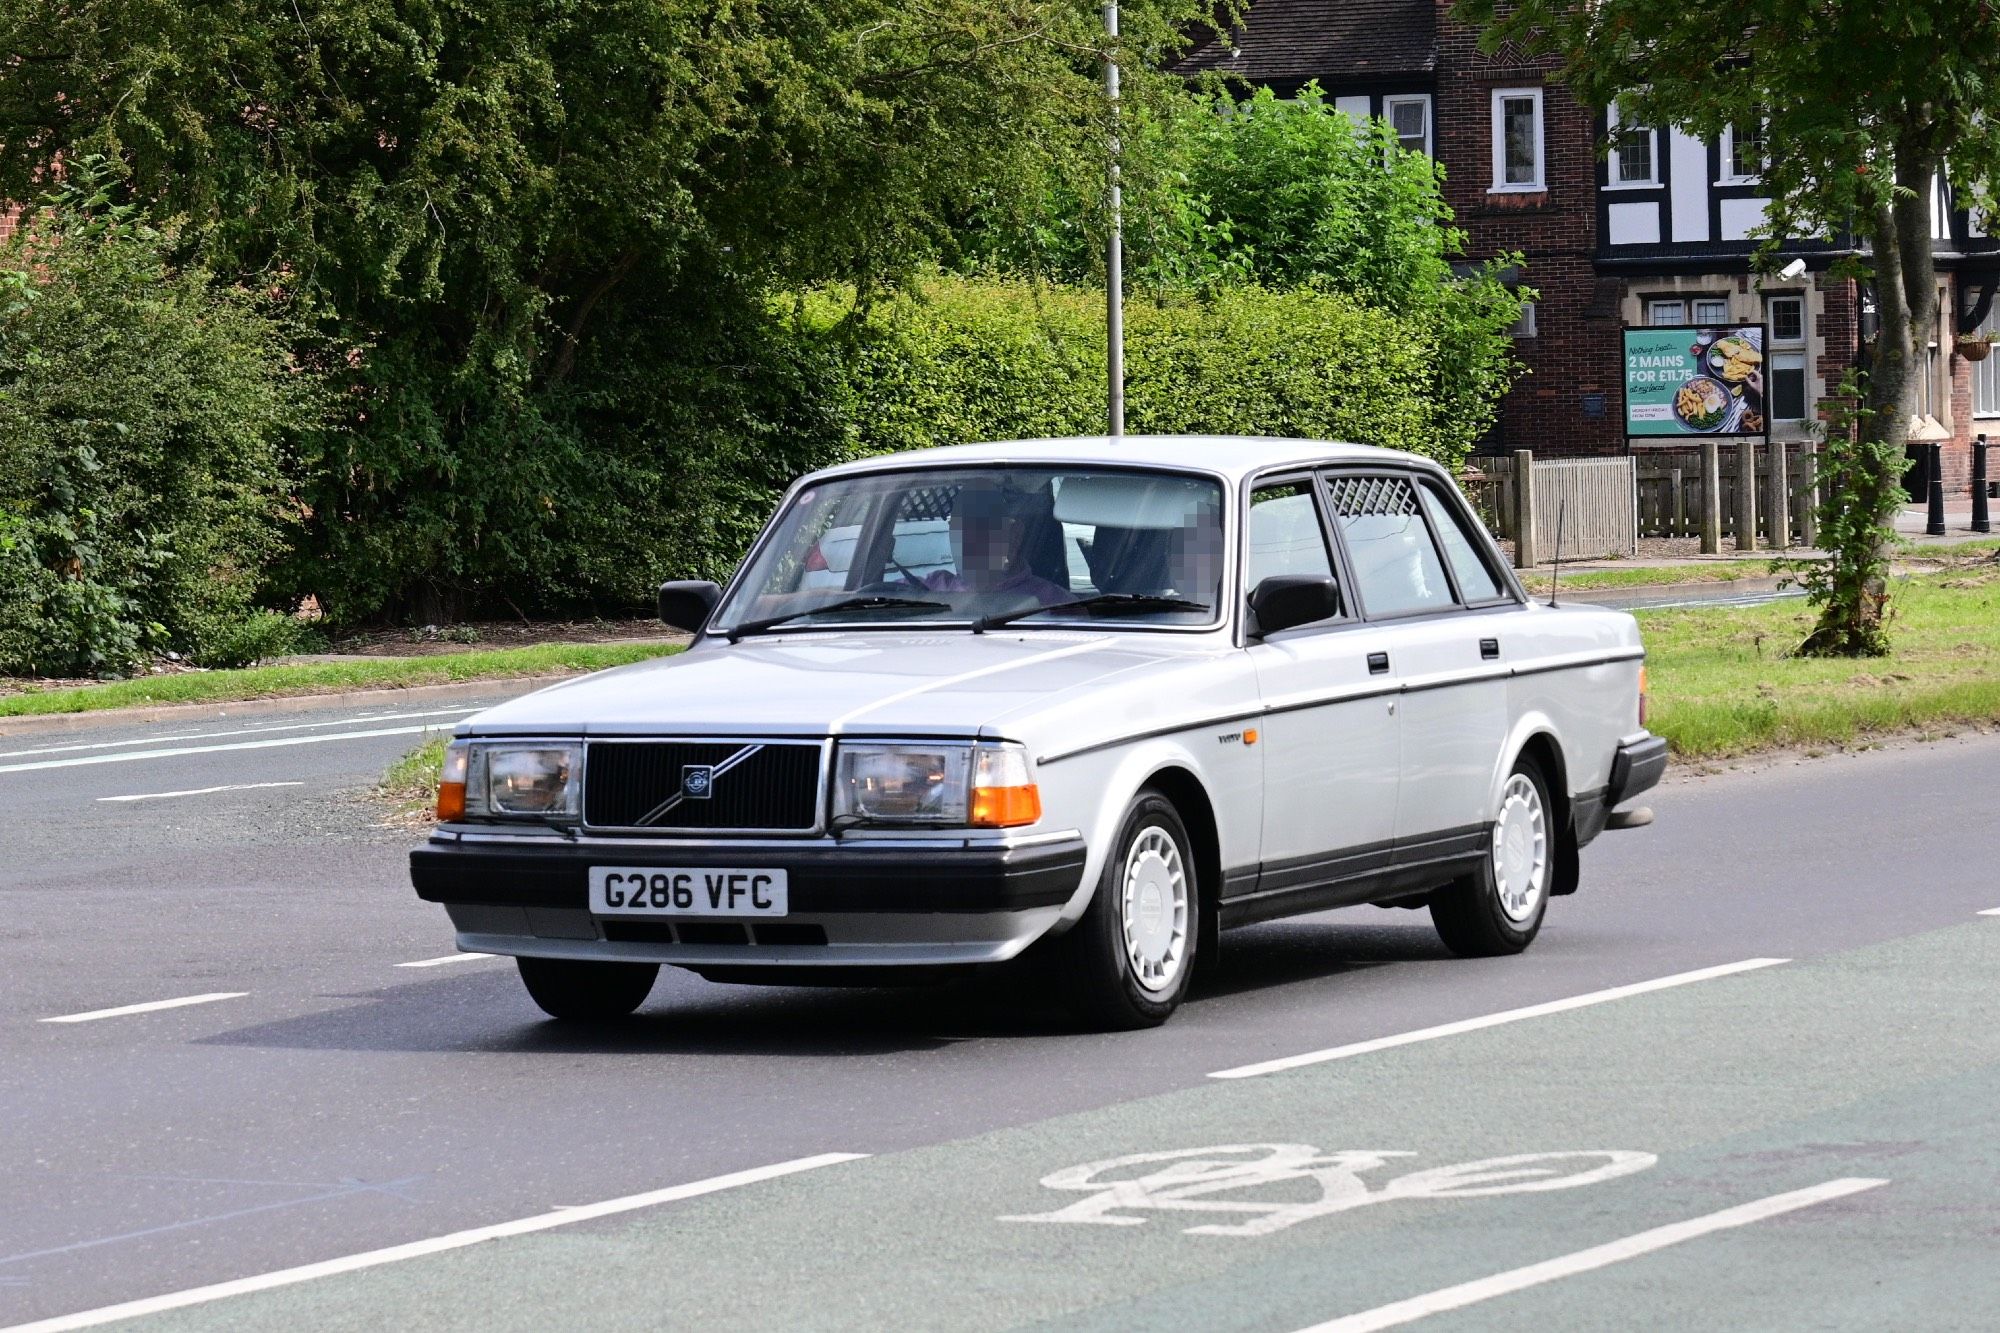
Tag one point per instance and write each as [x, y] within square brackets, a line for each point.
[1091, 701]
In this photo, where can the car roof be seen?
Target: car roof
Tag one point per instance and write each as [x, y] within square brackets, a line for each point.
[1233, 456]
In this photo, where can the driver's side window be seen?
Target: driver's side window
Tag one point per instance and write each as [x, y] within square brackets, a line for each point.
[1284, 535]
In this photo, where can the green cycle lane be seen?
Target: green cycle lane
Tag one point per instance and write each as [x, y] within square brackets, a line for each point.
[1879, 1063]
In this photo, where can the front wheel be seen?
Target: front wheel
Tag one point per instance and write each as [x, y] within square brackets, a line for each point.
[586, 991]
[1498, 908]
[1127, 961]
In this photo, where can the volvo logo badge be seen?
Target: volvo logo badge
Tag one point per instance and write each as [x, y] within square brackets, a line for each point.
[697, 781]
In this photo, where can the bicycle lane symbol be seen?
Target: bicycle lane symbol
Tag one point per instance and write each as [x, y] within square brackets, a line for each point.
[1190, 1180]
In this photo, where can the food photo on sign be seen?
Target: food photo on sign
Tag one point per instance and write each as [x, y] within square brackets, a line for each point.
[1695, 381]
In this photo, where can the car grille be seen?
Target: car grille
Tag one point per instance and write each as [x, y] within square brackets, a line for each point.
[754, 786]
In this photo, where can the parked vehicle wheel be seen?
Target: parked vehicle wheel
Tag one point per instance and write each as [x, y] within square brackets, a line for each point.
[1498, 908]
[1127, 962]
[587, 992]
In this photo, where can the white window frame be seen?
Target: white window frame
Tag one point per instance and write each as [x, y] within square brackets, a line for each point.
[1783, 349]
[1525, 327]
[1501, 185]
[1653, 303]
[1986, 375]
[1614, 159]
[1727, 166]
[1389, 105]
[1694, 316]
[1770, 316]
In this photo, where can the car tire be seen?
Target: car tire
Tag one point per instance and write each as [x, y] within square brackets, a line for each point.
[1126, 963]
[1498, 908]
[585, 991]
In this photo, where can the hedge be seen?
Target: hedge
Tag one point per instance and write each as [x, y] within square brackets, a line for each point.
[973, 359]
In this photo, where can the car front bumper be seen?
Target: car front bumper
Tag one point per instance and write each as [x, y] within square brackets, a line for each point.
[853, 902]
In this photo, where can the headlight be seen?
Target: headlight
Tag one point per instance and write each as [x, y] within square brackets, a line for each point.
[943, 784]
[538, 780]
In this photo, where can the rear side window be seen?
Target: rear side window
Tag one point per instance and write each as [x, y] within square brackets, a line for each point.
[1396, 564]
[1475, 579]
[1284, 535]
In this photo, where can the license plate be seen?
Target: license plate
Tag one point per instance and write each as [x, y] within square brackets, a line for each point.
[651, 891]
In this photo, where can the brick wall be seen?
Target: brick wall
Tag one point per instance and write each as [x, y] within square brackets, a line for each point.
[1575, 361]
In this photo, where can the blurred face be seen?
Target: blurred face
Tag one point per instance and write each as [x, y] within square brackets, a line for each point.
[992, 546]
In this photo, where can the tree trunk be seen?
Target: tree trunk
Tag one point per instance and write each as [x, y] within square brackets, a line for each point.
[1865, 472]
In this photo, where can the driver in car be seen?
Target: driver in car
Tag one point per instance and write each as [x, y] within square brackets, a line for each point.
[989, 537]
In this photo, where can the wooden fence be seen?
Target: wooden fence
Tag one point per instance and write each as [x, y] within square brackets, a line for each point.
[1588, 499]
[1605, 505]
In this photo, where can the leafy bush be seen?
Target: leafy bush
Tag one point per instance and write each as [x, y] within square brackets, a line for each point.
[975, 359]
[141, 409]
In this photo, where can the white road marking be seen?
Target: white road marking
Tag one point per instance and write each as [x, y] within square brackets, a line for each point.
[457, 1240]
[201, 791]
[1991, 911]
[173, 737]
[1598, 1256]
[151, 1006]
[176, 751]
[448, 958]
[1495, 1020]
[1185, 1181]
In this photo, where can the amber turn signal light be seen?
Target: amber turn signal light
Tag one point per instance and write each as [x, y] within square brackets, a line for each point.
[451, 783]
[1642, 696]
[1005, 807]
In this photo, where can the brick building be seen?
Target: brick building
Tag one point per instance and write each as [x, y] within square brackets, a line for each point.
[1620, 225]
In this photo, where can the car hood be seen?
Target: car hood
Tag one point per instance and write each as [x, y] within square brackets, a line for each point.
[876, 683]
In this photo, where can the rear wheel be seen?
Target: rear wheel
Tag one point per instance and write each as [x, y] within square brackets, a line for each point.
[586, 991]
[1498, 908]
[1127, 962]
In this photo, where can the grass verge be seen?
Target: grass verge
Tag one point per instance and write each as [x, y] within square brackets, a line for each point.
[331, 677]
[1725, 682]
[411, 782]
[1640, 576]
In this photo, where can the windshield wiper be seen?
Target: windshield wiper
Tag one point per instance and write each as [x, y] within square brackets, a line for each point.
[1103, 602]
[849, 604]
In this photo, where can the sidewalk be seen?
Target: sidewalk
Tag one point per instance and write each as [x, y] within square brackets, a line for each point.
[1683, 552]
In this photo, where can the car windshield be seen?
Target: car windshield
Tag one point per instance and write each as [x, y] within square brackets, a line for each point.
[967, 545]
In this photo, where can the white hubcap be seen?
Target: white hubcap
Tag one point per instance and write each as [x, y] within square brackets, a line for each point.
[1155, 909]
[1521, 850]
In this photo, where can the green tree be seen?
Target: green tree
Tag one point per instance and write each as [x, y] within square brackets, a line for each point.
[142, 407]
[481, 203]
[1861, 107]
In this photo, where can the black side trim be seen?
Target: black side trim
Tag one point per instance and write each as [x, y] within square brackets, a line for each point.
[1587, 813]
[1374, 873]
[1636, 768]
[822, 879]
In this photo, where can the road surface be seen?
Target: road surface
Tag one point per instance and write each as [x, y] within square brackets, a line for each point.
[1748, 1077]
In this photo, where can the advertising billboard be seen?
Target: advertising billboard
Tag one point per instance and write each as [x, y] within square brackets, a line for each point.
[1683, 382]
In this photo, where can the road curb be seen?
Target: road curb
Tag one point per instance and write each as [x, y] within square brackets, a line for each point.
[505, 686]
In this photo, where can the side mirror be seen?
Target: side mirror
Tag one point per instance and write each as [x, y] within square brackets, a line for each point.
[688, 603]
[1285, 600]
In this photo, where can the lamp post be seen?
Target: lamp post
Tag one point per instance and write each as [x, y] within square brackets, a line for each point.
[1114, 253]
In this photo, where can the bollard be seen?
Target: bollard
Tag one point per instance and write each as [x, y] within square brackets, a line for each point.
[1711, 498]
[1981, 520]
[1934, 526]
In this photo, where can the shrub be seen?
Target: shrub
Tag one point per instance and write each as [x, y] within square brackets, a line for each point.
[978, 359]
[141, 409]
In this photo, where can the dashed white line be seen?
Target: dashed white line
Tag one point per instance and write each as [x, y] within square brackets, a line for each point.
[175, 737]
[175, 751]
[1991, 911]
[1598, 1256]
[457, 1240]
[151, 1006]
[201, 791]
[1495, 1020]
[448, 958]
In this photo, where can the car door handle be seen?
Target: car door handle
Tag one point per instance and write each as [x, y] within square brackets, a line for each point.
[1378, 663]
[1489, 649]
